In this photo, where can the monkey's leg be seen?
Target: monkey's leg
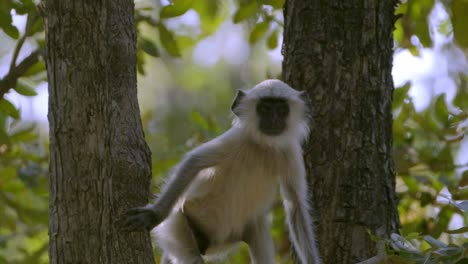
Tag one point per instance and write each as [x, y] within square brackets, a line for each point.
[258, 237]
[176, 239]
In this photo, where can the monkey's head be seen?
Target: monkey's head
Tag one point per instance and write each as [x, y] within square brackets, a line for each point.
[272, 113]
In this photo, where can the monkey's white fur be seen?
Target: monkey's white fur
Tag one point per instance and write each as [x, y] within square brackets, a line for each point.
[228, 185]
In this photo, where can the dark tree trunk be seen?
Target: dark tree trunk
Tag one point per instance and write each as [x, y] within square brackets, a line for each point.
[340, 52]
[100, 164]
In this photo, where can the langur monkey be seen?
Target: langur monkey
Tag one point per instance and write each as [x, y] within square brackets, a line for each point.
[221, 192]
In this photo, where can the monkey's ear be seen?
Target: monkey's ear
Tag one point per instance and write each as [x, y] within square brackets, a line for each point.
[237, 101]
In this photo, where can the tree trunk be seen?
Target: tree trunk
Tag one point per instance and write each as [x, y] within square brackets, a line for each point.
[340, 52]
[100, 164]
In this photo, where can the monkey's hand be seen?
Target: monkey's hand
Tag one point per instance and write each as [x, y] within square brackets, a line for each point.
[141, 218]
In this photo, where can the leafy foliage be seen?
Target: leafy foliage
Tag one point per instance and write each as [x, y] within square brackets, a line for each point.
[413, 22]
[23, 196]
[459, 9]
[403, 250]
[429, 181]
[431, 184]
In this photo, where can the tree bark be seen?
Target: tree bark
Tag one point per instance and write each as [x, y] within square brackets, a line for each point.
[340, 52]
[100, 164]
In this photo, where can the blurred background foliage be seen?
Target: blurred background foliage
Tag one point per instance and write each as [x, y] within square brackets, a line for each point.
[192, 56]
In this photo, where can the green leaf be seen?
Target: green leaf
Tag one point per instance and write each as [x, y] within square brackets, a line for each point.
[419, 13]
[426, 198]
[448, 251]
[7, 26]
[459, 10]
[245, 11]
[140, 62]
[399, 33]
[461, 99]
[11, 31]
[414, 22]
[414, 51]
[209, 9]
[445, 27]
[24, 6]
[441, 111]
[411, 183]
[399, 95]
[443, 220]
[38, 67]
[38, 26]
[443, 158]
[211, 15]
[25, 134]
[412, 235]
[168, 40]
[185, 42]
[272, 41]
[25, 87]
[8, 108]
[177, 8]
[259, 31]
[462, 205]
[400, 131]
[5, 18]
[428, 121]
[434, 242]
[402, 244]
[4, 138]
[199, 120]
[149, 47]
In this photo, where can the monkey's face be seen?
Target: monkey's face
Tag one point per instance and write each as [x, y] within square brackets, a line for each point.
[272, 115]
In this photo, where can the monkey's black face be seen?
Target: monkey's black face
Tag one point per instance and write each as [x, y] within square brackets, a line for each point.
[273, 113]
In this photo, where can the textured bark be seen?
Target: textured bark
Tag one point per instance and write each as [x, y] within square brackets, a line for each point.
[100, 164]
[340, 52]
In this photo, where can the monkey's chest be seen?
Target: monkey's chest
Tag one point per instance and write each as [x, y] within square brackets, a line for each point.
[230, 197]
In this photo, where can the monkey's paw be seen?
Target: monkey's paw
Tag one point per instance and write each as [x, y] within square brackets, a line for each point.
[140, 218]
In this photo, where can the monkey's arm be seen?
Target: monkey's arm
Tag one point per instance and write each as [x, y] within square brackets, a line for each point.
[149, 216]
[296, 204]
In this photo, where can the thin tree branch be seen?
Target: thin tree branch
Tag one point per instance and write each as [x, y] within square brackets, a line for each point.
[17, 71]
[18, 47]
[31, 20]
